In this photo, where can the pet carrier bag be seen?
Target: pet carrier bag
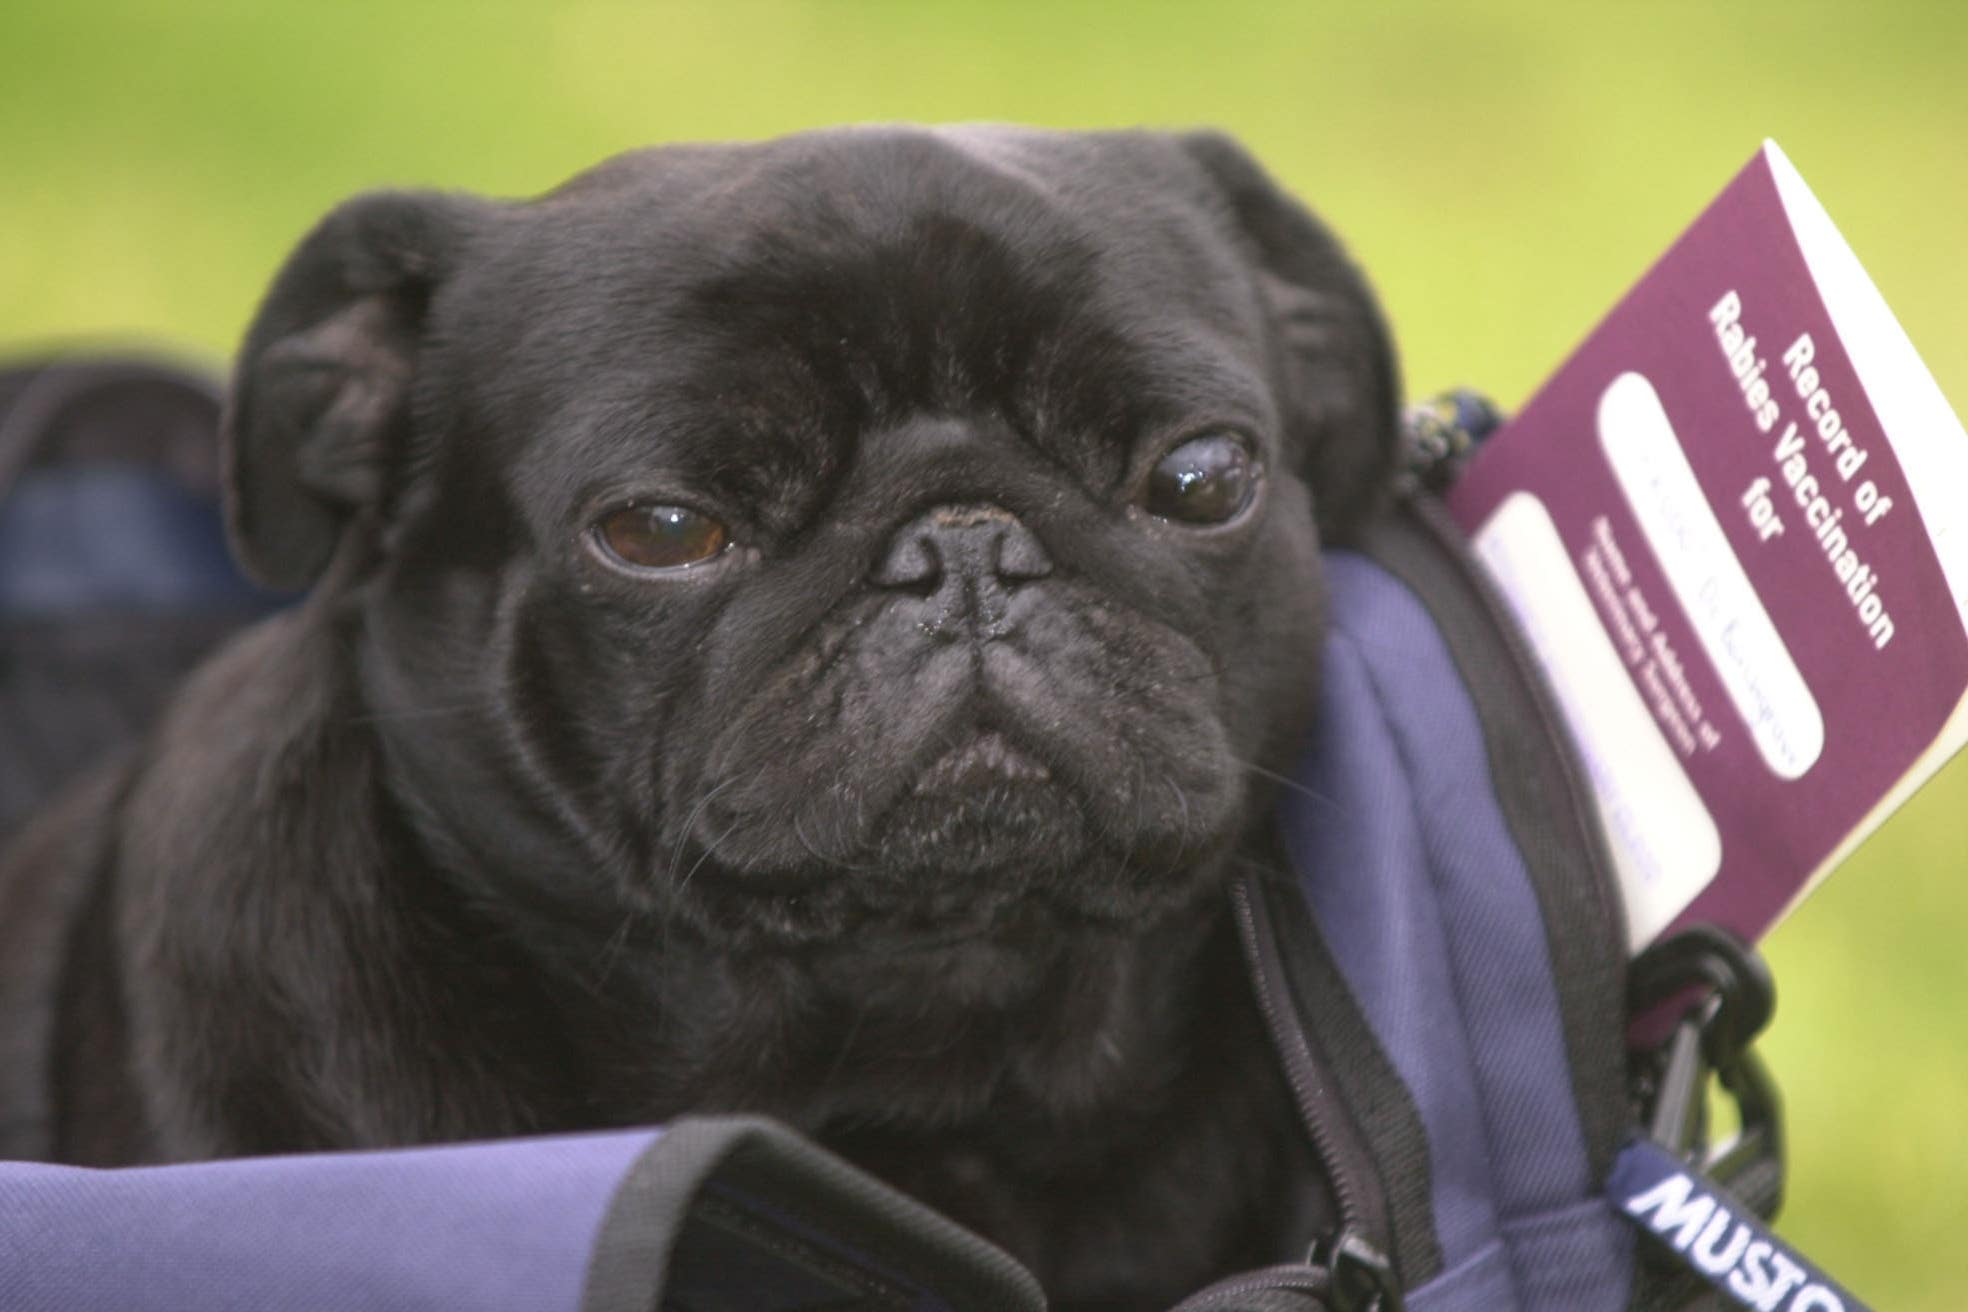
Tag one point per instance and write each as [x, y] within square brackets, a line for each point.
[1438, 951]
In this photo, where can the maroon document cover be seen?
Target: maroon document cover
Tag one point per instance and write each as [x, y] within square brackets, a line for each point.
[1725, 524]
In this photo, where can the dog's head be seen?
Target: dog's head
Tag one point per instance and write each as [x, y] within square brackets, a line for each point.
[903, 534]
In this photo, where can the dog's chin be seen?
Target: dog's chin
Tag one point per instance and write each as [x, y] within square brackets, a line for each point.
[984, 816]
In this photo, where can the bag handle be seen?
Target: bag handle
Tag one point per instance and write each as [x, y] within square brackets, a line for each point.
[51, 386]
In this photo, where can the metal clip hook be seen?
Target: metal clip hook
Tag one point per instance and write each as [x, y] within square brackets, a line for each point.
[1715, 1036]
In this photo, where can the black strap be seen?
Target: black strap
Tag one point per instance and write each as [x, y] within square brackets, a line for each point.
[739, 1214]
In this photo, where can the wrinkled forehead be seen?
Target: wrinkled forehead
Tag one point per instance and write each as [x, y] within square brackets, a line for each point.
[772, 302]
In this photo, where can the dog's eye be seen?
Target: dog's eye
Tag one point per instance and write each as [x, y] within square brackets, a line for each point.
[660, 537]
[1206, 480]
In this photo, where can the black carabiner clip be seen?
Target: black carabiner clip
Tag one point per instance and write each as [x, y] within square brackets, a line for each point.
[1737, 998]
[1744, 994]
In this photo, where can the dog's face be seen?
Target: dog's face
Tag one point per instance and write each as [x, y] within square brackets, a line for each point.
[906, 538]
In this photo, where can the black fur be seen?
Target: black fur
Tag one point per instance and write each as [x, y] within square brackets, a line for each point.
[863, 823]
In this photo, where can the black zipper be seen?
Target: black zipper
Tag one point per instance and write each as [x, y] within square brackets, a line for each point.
[1360, 1254]
[1357, 1257]
[1586, 918]
[1312, 1281]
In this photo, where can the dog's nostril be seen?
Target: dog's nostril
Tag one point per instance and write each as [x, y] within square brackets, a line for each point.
[1020, 558]
[912, 563]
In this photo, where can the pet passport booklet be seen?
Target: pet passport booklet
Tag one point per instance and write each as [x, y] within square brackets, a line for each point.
[1731, 526]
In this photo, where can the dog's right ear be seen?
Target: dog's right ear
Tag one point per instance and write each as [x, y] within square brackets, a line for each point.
[319, 399]
[1341, 382]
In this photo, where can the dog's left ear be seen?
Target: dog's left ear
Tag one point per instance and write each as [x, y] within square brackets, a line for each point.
[1340, 381]
[319, 406]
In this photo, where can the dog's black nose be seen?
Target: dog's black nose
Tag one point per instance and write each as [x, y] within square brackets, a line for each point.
[967, 556]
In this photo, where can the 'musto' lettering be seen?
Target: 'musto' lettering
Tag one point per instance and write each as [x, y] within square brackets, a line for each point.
[1728, 1249]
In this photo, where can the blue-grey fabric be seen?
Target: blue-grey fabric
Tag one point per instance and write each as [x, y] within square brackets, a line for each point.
[113, 537]
[1424, 901]
[496, 1227]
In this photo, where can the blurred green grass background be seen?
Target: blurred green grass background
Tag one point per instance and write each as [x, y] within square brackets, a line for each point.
[1503, 173]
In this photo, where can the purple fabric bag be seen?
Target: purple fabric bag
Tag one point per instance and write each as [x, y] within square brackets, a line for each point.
[1441, 953]
[706, 1215]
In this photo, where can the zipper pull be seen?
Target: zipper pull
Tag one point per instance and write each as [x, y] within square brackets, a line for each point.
[1362, 1277]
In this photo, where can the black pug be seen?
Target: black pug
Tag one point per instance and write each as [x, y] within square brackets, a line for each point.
[800, 627]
